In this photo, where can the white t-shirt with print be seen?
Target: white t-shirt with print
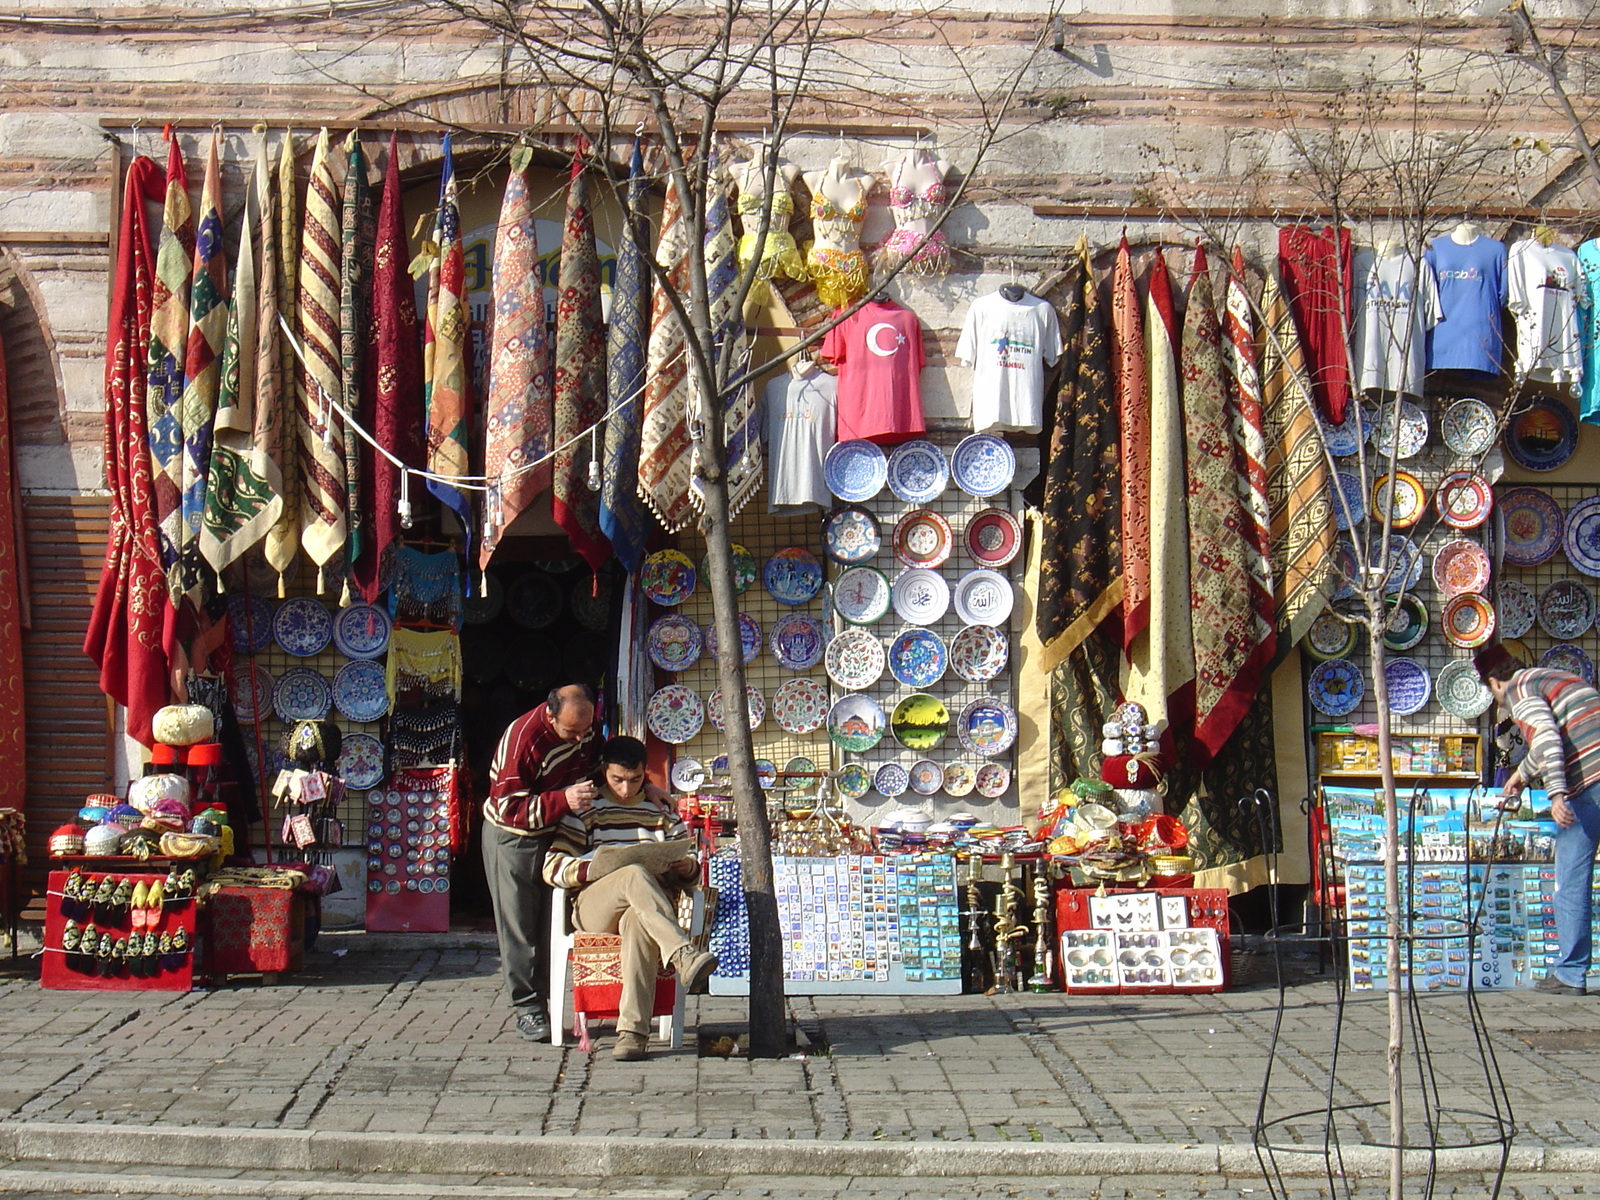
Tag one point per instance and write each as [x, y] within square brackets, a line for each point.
[1009, 344]
[1544, 287]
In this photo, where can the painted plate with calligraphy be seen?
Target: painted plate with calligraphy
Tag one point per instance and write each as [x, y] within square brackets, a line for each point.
[979, 653]
[1533, 526]
[361, 691]
[749, 638]
[984, 597]
[861, 595]
[918, 472]
[1566, 610]
[855, 659]
[800, 705]
[983, 465]
[856, 723]
[920, 596]
[1410, 685]
[850, 535]
[922, 538]
[667, 577]
[674, 714]
[855, 470]
[303, 626]
[797, 640]
[674, 642]
[755, 708]
[687, 775]
[994, 537]
[301, 694]
[918, 657]
[792, 576]
[362, 630]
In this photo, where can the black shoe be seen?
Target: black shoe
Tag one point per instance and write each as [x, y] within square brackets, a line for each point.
[1554, 987]
[533, 1024]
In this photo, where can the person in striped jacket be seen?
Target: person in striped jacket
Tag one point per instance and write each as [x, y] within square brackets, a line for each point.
[1559, 716]
[631, 900]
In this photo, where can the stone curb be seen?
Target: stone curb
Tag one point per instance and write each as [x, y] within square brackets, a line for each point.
[479, 1154]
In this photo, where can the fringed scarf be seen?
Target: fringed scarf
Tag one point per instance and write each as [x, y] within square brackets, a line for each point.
[622, 515]
[355, 316]
[169, 336]
[665, 450]
[1129, 369]
[208, 327]
[444, 354]
[277, 386]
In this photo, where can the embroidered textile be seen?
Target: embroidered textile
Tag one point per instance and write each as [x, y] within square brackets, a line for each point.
[355, 316]
[665, 449]
[1128, 368]
[208, 326]
[1316, 269]
[423, 663]
[622, 515]
[283, 539]
[518, 407]
[169, 336]
[580, 376]
[1250, 451]
[1083, 697]
[444, 354]
[1223, 831]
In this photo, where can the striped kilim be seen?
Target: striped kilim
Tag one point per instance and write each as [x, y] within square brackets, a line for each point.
[1250, 449]
[664, 447]
[517, 433]
[355, 310]
[208, 326]
[1133, 421]
[622, 514]
[579, 393]
[321, 431]
[169, 337]
[1297, 474]
[283, 268]
[1228, 635]
[242, 486]
[444, 352]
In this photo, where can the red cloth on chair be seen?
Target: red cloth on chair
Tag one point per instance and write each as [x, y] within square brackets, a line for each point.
[597, 978]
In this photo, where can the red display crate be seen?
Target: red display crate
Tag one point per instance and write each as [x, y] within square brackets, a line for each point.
[54, 972]
[254, 931]
[1207, 909]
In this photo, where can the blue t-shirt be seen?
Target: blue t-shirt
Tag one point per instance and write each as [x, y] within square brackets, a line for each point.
[1472, 291]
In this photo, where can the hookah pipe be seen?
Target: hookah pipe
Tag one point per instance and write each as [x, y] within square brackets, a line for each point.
[1043, 977]
[972, 913]
[1006, 929]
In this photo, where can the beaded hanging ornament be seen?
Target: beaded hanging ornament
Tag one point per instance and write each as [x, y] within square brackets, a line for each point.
[426, 663]
[424, 736]
[426, 587]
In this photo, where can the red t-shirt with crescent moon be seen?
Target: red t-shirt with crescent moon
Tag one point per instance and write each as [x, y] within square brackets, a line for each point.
[880, 358]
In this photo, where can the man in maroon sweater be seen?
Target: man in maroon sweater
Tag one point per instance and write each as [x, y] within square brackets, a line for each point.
[541, 772]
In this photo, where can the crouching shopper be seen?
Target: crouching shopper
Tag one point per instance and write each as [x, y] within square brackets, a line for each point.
[634, 899]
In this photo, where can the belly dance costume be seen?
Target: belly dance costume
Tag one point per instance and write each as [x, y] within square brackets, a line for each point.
[911, 208]
[779, 254]
[839, 270]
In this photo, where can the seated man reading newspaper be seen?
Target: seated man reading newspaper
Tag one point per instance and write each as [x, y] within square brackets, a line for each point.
[625, 855]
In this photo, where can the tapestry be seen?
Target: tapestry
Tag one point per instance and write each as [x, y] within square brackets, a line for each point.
[1222, 830]
[169, 337]
[278, 386]
[356, 241]
[622, 514]
[1083, 697]
[664, 448]
[1129, 370]
[208, 326]
[1249, 446]
[444, 352]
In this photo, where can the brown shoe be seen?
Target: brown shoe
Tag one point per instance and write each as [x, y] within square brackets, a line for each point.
[693, 966]
[630, 1047]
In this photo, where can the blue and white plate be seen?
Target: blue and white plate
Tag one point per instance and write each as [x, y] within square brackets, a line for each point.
[1355, 496]
[855, 470]
[360, 690]
[792, 576]
[1405, 564]
[918, 472]
[360, 761]
[918, 657]
[362, 630]
[749, 637]
[1564, 656]
[1346, 439]
[303, 627]
[891, 780]
[983, 465]
[1409, 685]
[850, 535]
[1581, 540]
[301, 694]
[797, 641]
[250, 621]
[1336, 687]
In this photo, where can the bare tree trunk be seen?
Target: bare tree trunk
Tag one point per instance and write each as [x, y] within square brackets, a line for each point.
[1377, 623]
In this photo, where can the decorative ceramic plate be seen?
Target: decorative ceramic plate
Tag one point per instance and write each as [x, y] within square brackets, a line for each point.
[984, 597]
[744, 568]
[1467, 620]
[362, 630]
[667, 577]
[1409, 684]
[1330, 637]
[749, 638]
[1566, 610]
[687, 775]
[360, 762]
[918, 657]
[1516, 608]
[979, 653]
[301, 694]
[850, 535]
[755, 708]
[920, 722]
[1350, 484]
[800, 705]
[855, 659]
[800, 773]
[854, 781]
[994, 537]
[792, 576]
[861, 595]
[1461, 693]
[1404, 495]
[1413, 429]
[1469, 427]
[987, 726]
[959, 779]
[797, 641]
[1460, 566]
[1581, 540]
[1533, 524]
[535, 600]
[250, 688]
[993, 780]
[303, 627]
[1408, 625]
[361, 691]
[591, 605]
[890, 780]
[983, 465]
[1346, 570]
[856, 723]
[1464, 499]
[766, 773]
[674, 642]
[922, 538]
[1346, 439]
[926, 777]
[917, 471]
[920, 596]
[1543, 437]
[674, 714]
[1564, 656]
[488, 601]
[1405, 564]
[1336, 687]
[855, 470]
[250, 622]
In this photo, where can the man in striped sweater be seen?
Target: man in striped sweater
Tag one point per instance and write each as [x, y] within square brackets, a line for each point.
[630, 900]
[1559, 716]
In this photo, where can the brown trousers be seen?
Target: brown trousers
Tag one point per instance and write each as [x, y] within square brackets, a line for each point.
[632, 902]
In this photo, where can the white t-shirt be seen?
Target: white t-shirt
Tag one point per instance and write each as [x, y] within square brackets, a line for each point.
[799, 422]
[1399, 303]
[1544, 287]
[1009, 344]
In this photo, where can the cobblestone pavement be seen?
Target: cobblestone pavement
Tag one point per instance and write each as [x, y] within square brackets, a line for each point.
[420, 1041]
